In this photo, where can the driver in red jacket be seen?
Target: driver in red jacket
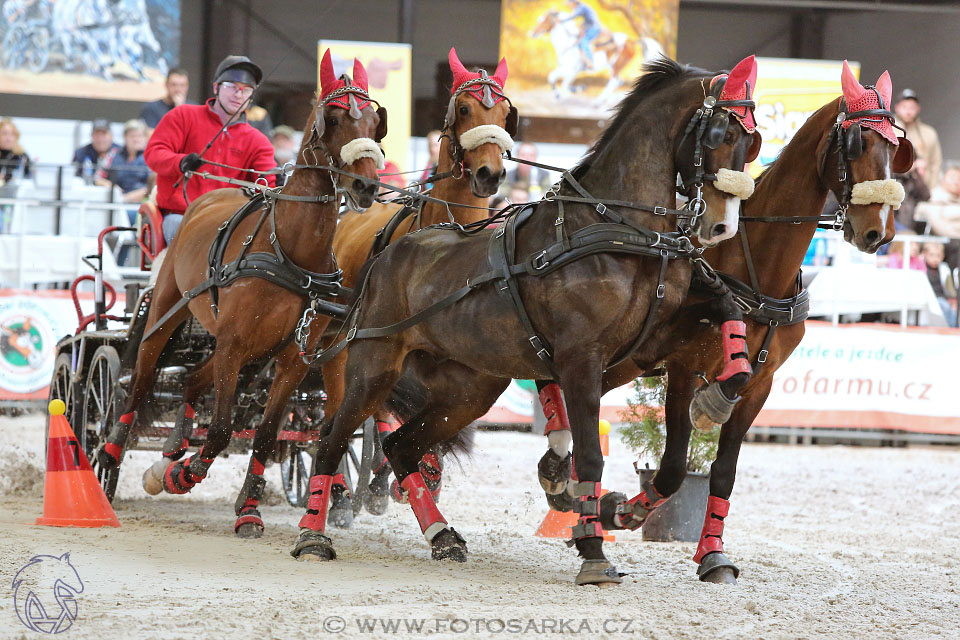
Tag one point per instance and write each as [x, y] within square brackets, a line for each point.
[179, 143]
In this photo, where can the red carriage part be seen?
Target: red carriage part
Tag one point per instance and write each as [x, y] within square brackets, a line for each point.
[150, 238]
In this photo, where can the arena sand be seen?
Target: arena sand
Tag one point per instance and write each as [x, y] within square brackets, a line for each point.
[833, 542]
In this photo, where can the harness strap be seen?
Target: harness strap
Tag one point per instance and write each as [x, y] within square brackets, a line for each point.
[651, 313]
[765, 347]
[749, 258]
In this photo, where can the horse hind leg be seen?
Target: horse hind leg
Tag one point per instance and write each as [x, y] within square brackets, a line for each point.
[199, 380]
[144, 373]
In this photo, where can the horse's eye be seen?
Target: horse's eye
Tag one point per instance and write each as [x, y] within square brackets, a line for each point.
[332, 122]
[728, 138]
[464, 110]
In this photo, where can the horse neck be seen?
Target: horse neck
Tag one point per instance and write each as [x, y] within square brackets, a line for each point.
[452, 190]
[638, 166]
[792, 187]
[305, 229]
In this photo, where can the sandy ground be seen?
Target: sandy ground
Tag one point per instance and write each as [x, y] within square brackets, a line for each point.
[833, 542]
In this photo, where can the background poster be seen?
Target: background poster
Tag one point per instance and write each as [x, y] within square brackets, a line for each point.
[554, 72]
[115, 49]
[388, 68]
[788, 92]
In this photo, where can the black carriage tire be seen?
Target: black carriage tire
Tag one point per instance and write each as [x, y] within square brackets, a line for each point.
[101, 406]
[61, 388]
[295, 470]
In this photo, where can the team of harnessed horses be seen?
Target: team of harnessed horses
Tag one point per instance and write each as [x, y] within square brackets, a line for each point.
[427, 306]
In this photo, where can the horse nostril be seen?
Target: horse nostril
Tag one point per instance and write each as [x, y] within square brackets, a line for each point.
[483, 173]
[718, 230]
[872, 237]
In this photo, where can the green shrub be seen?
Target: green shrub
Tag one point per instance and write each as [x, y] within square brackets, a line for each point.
[644, 428]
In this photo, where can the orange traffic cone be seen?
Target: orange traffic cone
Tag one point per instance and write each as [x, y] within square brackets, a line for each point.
[557, 523]
[72, 497]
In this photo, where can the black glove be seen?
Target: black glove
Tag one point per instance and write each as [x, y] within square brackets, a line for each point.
[190, 162]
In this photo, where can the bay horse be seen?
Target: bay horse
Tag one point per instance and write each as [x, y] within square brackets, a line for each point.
[479, 127]
[253, 316]
[577, 318]
[777, 225]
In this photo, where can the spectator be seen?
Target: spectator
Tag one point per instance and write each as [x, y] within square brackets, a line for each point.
[284, 148]
[129, 170]
[177, 85]
[189, 130]
[916, 191]
[533, 181]
[259, 119]
[895, 255]
[925, 140]
[14, 162]
[941, 279]
[91, 159]
[433, 148]
[942, 212]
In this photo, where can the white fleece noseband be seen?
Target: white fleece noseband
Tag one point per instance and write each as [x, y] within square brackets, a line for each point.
[888, 192]
[736, 183]
[473, 138]
[361, 148]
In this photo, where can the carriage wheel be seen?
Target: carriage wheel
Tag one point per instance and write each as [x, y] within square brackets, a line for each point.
[61, 388]
[13, 47]
[102, 403]
[295, 470]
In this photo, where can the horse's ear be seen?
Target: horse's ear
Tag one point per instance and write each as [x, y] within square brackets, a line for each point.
[381, 132]
[328, 77]
[360, 75]
[904, 156]
[500, 75]
[852, 90]
[754, 149]
[885, 89]
[513, 122]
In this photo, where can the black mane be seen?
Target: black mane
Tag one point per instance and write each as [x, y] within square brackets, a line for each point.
[657, 75]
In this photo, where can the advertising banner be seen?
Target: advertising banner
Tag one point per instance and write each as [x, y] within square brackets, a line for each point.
[863, 376]
[577, 58]
[388, 68]
[31, 323]
[110, 49]
[788, 92]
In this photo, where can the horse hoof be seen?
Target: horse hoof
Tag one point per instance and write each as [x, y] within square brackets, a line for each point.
[153, 477]
[598, 572]
[449, 545]
[249, 530]
[375, 504]
[313, 546]
[342, 516]
[554, 472]
[718, 569]
[561, 502]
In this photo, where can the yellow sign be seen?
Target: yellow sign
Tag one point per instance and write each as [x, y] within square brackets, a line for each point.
[577, 58]
[388, 68]
[788, 92]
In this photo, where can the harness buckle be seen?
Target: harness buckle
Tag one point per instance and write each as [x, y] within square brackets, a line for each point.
[309, 282]
[351, 334]
[541, 350]
[558, 222]
[500, 231]
[601, 208]
[540, 258]
[659, 211]
[661, 291]
[762, 356]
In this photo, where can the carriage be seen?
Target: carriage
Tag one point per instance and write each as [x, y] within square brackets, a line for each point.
[92, 373]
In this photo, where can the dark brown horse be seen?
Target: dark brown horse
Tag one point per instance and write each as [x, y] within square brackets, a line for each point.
[480, 127]
[256, 317]
[584, 314]
[789, 197]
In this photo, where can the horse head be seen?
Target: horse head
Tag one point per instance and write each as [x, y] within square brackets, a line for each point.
[47, 584]
[858, 158]
[347, 129]
[480, 125]
[545, 24]
[719, 140]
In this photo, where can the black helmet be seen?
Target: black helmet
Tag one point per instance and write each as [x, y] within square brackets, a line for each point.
[238, 69]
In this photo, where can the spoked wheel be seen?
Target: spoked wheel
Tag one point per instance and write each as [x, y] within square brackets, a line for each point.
[102, 404]
[295, 470]
[61, 388]
[39, 50]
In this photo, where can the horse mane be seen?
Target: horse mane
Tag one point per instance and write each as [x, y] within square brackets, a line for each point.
[657, 75]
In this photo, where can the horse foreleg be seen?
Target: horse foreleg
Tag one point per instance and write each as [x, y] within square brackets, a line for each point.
[373, 367]
[554, 468]
[197, 384]
[289, 372]
[714, 565]
[713, 404]
[582, 382]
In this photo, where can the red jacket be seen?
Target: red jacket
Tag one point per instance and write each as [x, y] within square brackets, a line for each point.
[187, 129]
